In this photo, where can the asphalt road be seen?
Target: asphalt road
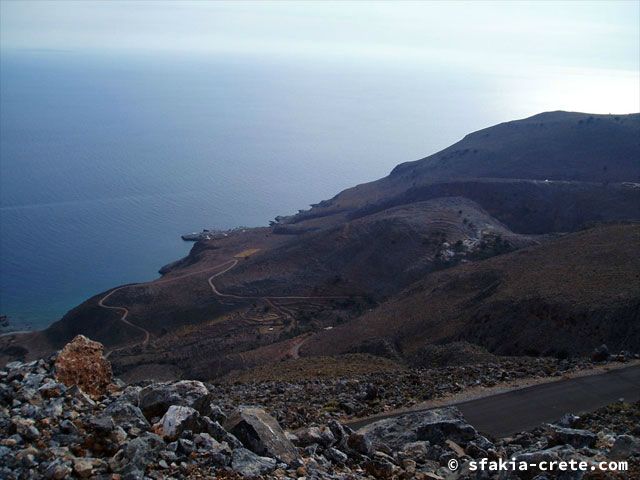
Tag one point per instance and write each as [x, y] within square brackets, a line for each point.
[506, 413]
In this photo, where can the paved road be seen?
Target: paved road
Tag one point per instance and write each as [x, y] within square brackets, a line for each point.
[510, 412]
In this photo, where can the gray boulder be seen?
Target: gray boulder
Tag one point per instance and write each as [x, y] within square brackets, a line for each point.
[336, 456]
[322, 436]
[52, 389]
[600, 354]
[127, 415]
[156, 399]
[219, 433]
[177, 419]
[361, 443]
[571, 436]
[215, 413]
[435, 426]
[340, 432]
[548, 455]
[624, 447]
[420, 451]
[568, 420]
[261, 434]
[143, 450]
[57, 470]
[218, 453]
[248, 464]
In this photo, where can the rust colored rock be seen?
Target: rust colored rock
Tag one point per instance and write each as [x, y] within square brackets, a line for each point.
[81, 363]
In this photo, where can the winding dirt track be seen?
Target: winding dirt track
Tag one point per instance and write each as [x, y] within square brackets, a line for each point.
[266, 298]
[295, 349]
[125, 310]
[125, 313]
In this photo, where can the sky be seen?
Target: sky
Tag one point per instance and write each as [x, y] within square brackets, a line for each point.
[588, 53]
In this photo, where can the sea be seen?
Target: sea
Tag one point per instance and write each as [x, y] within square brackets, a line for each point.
[105, 160]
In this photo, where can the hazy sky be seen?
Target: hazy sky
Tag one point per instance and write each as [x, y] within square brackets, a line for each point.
[589, 51]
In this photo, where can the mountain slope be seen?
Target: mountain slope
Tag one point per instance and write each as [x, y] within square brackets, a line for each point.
[554, 145]
[379, 254]
[566, 296]
[257, 295]
[549, 158]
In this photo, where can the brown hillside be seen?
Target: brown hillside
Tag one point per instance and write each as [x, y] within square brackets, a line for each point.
[563, 297]
[256, 295]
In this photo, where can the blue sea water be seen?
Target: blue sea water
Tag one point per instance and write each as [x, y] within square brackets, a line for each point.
[105, 161]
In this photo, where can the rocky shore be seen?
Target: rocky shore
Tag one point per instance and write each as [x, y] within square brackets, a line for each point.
[66, 417]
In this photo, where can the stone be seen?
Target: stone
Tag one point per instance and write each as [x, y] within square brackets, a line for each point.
[440, 431]
[52, 389]
[568, 420]
[624, 447]
[340, 432]
[57, 470]
[457, 449]
[141, 451]
[370, 392]
[360, 443]
[215, 413]
[322, 436]
[409, 465]
[127, 415]
[600, 354]
[101, 424]
[435, 426]
[537, 456]
[248, 464]
[49, 430]
[177, 419]
[155, 399]
[432, 476]
[81, 362]
[219, 433]
[571, 436]
[261, 433]
[379, 468]
[4, 452]
[419, 451]
[476, 451]
[25, 427]
[83, 467]
[336, 456]
[186, 446]
[218, 453]
[119, 435]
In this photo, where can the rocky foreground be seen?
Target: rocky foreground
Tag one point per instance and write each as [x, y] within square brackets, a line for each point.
[66, 417]
[296, 402]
